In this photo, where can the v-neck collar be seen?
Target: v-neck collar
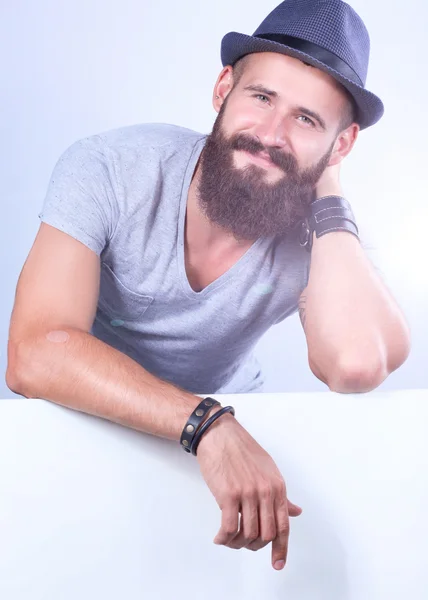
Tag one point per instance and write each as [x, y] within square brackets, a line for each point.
[234, 269]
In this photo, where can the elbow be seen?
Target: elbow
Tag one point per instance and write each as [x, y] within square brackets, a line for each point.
[13, 378]
[357, 378]
[399, 351]
[12, 381]
[366, 371]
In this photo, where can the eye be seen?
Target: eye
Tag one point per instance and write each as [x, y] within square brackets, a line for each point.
[308, 120]
[262, 96]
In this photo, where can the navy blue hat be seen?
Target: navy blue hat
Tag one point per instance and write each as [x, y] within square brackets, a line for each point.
[327, 34]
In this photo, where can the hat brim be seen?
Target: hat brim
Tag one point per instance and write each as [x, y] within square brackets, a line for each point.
[236, 45]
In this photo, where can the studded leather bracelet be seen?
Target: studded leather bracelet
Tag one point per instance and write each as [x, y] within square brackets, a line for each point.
[208, 423]
[326, 214]
[195, 421]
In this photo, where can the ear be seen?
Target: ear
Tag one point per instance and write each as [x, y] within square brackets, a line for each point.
[344, 143]
[222, 87]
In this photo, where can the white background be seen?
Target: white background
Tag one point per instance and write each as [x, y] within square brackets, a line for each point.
[71, 69]
[90, 510]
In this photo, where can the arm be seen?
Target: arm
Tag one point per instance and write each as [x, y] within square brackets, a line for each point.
[58, 291]
[83, 372]
[355, 331]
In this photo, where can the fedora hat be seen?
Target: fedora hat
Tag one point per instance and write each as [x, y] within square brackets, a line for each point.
[327, 34]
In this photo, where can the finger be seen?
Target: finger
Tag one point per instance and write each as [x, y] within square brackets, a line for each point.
[267, 522]
[280, 543]
[229, 523]
[249, 526]
[294, 510]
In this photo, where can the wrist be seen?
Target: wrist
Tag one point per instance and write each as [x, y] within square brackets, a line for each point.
[327, 215]
[334, 238]
[329, 184]
[329, 190]
[215, 432]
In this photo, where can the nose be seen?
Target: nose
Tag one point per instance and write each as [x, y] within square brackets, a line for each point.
[271, 131]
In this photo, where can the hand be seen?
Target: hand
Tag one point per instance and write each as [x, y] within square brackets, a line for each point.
[329, 182]
[244, 479]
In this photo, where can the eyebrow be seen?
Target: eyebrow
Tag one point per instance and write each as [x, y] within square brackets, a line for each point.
[262, 90]
[307, 111]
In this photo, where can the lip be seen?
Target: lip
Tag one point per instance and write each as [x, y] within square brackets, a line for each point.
[262, 159]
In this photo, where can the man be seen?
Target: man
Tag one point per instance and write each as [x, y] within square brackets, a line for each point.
[164, 255]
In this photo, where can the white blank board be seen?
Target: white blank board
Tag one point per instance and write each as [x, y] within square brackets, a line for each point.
[92, 510]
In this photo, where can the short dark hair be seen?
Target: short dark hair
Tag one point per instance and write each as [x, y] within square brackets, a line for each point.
[349, 116]
[239, 68]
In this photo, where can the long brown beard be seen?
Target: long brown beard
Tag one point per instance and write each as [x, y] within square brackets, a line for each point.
[240, 200]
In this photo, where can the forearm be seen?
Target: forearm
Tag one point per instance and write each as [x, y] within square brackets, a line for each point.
[352, 323]
[90, 376]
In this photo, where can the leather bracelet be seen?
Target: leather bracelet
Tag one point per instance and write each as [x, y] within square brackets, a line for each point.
[195, 421]
[327, 214]
[207, 424]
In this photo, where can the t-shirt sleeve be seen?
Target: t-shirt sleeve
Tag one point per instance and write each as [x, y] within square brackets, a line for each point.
[81, 199]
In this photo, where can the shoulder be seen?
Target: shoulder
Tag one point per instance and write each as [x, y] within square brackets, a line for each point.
[148, 137]
[129, 147]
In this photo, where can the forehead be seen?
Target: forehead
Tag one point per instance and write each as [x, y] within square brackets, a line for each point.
[294, 81]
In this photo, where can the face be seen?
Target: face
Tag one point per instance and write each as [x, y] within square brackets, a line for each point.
[273, 138]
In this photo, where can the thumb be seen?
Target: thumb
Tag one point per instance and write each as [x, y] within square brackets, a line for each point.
[293, 509]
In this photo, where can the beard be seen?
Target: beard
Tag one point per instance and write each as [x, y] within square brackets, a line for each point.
[241, 201]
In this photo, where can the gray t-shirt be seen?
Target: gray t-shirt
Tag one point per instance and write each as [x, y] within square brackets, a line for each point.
[123, 194]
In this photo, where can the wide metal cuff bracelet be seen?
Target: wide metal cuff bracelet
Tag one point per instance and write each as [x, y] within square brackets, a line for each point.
[327, 214]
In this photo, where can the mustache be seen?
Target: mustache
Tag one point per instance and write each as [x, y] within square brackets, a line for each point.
[285, 161]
